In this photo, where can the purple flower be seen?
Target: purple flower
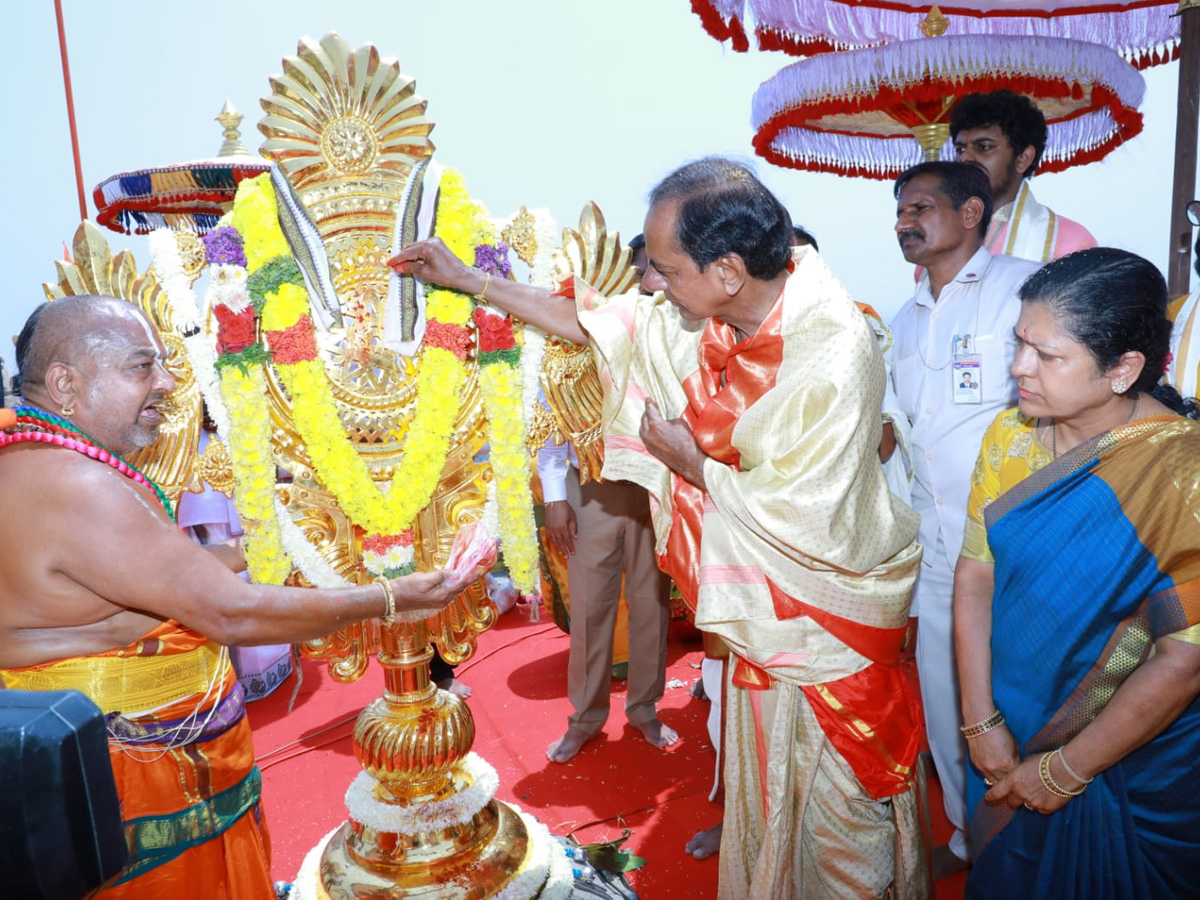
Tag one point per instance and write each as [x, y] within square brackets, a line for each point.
[224, 247]
[493, 259]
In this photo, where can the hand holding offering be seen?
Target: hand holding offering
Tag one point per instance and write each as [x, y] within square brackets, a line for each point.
[473, 552]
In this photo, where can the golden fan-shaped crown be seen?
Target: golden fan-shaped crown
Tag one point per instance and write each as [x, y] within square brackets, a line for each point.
[347, 128]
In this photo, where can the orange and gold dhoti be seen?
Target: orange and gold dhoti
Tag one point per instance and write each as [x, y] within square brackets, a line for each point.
[192, 813]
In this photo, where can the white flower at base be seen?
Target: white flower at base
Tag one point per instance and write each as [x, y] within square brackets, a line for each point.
[426, 817]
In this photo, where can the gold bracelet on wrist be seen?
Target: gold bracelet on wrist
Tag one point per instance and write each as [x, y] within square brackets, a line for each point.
[389, 598]
[482, 295]
[995, 720]
[1048, 779]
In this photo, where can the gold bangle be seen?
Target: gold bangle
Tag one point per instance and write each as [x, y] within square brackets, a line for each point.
[482, 295]
[389, 598]
[1062, 759]
[995, 720]
[1048, 779]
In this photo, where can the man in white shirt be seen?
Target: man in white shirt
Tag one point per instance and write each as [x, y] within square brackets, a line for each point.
[960, 321]
[1006, 133]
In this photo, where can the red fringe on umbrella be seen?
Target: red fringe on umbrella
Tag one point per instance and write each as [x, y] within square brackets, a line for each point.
[1129, 122]
[715, 25]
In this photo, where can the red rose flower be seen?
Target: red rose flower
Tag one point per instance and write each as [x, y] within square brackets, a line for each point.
[495, 332]
[235, 331]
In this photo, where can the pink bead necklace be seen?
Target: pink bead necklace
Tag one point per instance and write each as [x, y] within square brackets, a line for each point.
[40, 427]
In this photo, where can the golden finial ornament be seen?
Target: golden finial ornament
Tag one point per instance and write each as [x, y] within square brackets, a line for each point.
[521, 235]
[191, 253]
[230, 119]
[934, 24]
[569, 377]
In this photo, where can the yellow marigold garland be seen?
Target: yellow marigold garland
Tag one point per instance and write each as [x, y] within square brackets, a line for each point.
[502, 394]
[463, 225]
[244, 392]
[440, 378]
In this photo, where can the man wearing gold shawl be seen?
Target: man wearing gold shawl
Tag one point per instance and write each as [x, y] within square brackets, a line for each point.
[745, 397]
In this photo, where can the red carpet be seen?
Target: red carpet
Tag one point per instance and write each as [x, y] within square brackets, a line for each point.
[520, 706]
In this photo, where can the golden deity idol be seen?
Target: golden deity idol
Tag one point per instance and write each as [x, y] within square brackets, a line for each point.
[340, 376]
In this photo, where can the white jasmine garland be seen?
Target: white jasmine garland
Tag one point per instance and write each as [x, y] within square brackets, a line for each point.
[202, 357]
[541, 275]
[308, 879]
[545, 232]
[561, 882]
[168, 265]
[532, 878]
[306, 558]
[309, 562]
[433, 816]
[547, 876]
[531, 370]
[197, 345]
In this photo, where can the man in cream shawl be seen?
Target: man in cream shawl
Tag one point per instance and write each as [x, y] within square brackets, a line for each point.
[745, 396]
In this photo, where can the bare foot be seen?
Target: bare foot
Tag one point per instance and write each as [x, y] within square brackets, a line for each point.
[567, 746]
[697, 690]
[658, 734]
[946, 862]
[706, 843]
[455, 687]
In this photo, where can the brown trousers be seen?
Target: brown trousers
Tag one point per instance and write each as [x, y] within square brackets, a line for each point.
[614, 533]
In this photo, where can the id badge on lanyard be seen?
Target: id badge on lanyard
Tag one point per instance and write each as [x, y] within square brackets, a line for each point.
[966, 373]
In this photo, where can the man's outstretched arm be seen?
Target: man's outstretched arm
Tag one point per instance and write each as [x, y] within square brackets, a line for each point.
[433, 263]
[148, 564]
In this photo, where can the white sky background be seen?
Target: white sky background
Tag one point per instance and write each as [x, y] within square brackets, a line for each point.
[541, 102]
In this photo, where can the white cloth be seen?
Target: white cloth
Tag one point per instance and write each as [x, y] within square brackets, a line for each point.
[712, 676]
[939, 690]
[1027, 229]
[553, 462]
[981, 302]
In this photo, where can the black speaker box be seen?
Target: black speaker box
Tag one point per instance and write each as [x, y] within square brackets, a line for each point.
[60, 819]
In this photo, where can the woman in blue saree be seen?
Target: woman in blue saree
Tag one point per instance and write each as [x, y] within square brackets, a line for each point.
[1077, 599]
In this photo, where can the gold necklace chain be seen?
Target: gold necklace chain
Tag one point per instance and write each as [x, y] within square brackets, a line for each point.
[1137, 399]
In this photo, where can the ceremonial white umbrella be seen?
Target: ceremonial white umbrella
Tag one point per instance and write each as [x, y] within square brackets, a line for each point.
[856, 113]
[1145, 32]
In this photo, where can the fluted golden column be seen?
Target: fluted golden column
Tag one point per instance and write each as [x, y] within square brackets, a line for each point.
[412, 740]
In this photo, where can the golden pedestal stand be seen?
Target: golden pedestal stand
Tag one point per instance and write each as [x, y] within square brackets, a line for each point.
[412, 741]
